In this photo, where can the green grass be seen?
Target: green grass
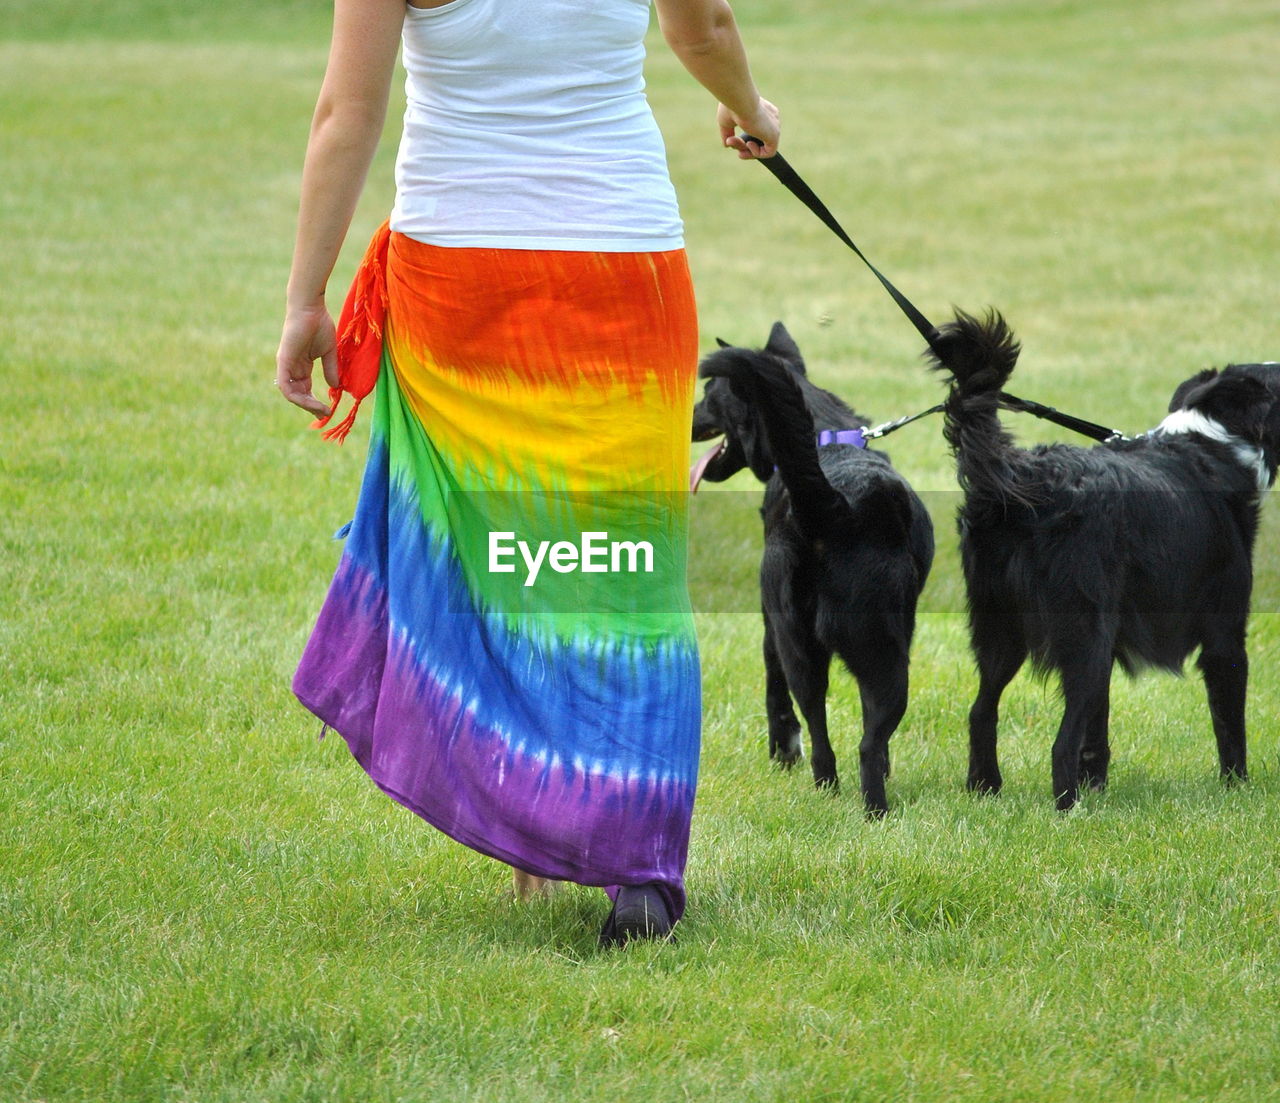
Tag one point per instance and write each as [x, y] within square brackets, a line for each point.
[200, 902]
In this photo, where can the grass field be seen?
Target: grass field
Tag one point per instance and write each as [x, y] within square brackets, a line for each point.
[200, 902]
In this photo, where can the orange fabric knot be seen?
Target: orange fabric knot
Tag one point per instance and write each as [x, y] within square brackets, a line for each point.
[360, 329]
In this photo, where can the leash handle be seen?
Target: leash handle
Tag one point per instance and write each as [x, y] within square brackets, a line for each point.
[794, 183]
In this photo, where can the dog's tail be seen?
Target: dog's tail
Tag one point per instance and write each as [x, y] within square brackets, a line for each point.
[775, 393]
[979, 355]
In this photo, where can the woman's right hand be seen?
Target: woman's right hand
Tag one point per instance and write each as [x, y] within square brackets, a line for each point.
[762, 124]
[308, 335]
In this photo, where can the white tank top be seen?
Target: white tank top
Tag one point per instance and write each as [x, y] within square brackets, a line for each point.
[527, 127]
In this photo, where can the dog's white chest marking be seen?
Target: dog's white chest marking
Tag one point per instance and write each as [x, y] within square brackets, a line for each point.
[1193, 421]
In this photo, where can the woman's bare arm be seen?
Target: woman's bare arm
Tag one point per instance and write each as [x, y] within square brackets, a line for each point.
[704, 36]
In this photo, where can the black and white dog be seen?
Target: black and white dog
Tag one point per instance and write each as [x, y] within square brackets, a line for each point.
[847, 548]
[1135, 552]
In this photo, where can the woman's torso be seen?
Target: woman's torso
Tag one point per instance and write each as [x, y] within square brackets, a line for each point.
[527, 127]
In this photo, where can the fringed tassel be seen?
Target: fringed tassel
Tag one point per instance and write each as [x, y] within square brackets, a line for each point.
[338, 432]
[360, 331]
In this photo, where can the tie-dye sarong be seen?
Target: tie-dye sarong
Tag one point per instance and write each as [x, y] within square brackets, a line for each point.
[544, 711]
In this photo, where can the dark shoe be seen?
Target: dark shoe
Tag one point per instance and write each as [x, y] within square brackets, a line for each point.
[639, 911]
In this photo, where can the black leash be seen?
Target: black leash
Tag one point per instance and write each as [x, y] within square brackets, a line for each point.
[792, 181]
[1067, 421]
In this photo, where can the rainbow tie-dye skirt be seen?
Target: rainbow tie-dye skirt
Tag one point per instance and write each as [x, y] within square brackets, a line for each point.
[507, 645]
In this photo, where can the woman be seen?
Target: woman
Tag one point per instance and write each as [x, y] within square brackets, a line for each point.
[529, 319]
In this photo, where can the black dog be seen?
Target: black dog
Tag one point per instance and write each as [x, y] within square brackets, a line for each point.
[847, 548]
[1134, 552]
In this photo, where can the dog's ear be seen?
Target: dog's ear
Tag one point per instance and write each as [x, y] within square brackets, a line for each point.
[782, 345]
[723, 343]
[1239, 403]
[1267, 373]
[1190, 389]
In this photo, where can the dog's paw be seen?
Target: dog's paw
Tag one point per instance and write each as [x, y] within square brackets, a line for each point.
[1093, 769]
[786, 752]
[984, 784]
[1095, 780]
[1066, 800]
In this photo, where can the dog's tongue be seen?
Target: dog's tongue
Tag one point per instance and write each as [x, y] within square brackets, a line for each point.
[696, 471]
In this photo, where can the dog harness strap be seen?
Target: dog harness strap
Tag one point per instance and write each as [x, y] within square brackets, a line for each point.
[842, 436]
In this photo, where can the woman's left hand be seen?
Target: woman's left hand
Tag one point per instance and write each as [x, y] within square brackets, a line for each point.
[308, 336]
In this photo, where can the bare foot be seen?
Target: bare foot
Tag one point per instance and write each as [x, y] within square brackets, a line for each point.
[527, 886]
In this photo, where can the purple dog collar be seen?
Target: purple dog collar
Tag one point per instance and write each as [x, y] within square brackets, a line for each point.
[842, 436]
